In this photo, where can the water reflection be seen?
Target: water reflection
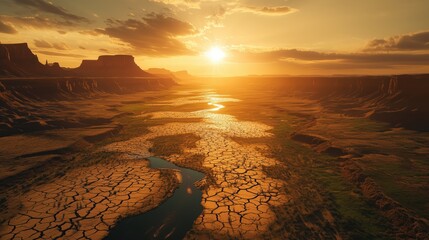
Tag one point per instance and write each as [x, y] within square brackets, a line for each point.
[242, 195]
[170, 220]
[217, 106]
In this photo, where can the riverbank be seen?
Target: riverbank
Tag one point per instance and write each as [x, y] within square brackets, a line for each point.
[273, 159]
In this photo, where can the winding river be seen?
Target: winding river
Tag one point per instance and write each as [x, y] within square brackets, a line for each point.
[170, 220]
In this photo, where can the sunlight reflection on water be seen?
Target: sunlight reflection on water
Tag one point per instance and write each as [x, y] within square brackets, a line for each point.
[211, 98]
[234, 166]
[217, 106]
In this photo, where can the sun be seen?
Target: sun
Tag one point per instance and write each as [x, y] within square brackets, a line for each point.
[215, 54]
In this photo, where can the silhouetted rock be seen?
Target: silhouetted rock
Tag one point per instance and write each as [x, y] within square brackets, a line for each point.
[21, 55]
[162, 72]
[159, 71]
[398, 100]
[111, 66]
[183, 75]
[20, 99]
[17, 60]
[407, 224]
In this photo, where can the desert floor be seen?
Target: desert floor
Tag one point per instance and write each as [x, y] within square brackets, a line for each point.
[276, 166]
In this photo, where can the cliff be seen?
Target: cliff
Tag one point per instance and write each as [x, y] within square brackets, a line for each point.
[399, 100]
[111, 66]
[17, 60]
[162, 72]
[23, 101]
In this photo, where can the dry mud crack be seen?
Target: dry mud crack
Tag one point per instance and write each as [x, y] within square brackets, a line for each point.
[238, 203]
[86, 202]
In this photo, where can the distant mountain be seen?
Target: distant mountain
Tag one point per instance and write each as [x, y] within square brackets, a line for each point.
[17, 60]
[111, 66]
[162, 72]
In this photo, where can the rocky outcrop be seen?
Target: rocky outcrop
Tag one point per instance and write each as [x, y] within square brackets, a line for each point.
[36, 89]
[17, 60]
[399, 100]
[19, 54]
[406, 223]
[162, 72]
[21, 100]
[111, 66]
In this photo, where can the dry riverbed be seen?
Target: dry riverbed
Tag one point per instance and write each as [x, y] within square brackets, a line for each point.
[272, 170]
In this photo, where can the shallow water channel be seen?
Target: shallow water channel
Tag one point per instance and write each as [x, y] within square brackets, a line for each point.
[170, 220]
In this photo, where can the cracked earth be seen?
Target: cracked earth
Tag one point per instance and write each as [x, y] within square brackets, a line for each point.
[238, 203]
[86, 202]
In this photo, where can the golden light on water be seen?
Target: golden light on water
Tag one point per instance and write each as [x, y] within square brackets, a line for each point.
[216, 106]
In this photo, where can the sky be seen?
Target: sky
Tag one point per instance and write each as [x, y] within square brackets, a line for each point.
[270, 37]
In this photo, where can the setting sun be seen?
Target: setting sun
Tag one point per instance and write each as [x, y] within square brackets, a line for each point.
[226, 119]
[215, 54]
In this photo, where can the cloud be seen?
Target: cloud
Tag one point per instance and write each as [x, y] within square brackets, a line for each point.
[60, 46]
[42, 44]
[45, 44]
[283, 54]
[49, 7]
[189, 3]
[315, 57]
[6, 28]
[91, 32]
[270, 11]
[36, 22]
[215, 14]
[232, 6]
[61, 54]
[408, 42]
[153, 35]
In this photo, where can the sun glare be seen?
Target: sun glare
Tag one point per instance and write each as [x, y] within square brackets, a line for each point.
[215, 54]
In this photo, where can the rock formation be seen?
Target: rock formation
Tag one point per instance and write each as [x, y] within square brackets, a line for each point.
[111, 66]
[17, 60]
[162, 72]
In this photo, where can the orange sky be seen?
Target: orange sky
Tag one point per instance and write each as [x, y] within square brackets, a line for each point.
[258, 37]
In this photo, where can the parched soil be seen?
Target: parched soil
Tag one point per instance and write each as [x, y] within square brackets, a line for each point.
[86, 202]
[277, 166]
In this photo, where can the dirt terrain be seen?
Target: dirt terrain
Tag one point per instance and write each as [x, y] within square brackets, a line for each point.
[280, 162]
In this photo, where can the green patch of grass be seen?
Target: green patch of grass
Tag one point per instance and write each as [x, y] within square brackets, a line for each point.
[367, 125]
[175, 144]
[161, 105]
[401, 186]
[402, 178]
[132, 127]
[133, 108]
[355, 217]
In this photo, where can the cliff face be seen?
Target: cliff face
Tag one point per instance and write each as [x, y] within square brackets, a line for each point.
[22, 101]
[178, 75]
[399, 100]
[111, 66]
[17, 60]
[19, 54]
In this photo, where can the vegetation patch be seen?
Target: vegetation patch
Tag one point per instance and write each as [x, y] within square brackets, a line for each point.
[175, 144]
[353, 215]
